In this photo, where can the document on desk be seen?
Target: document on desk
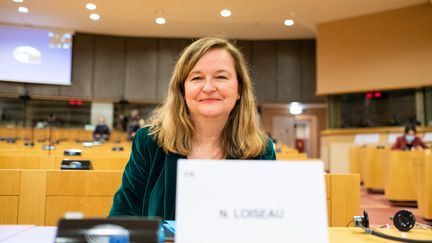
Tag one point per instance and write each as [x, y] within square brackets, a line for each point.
[250, 201]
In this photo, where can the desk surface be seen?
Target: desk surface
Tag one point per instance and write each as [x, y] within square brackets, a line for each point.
[27, 233]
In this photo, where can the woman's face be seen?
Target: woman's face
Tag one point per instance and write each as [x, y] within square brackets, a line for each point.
[211, 88]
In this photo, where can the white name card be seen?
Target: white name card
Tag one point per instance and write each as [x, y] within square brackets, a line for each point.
[427, 137]
[250, 201]
[361, 139]
[391, 138]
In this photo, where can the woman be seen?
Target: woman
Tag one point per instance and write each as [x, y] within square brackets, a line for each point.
[209, 113]
[409, 140]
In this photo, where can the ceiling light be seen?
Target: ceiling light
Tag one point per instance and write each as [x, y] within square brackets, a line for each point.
[94, 16]
[160, 20]
[295, 108]
[90, 6]
[18, 1]
[23, 10]
[225, 13]
[289, 22]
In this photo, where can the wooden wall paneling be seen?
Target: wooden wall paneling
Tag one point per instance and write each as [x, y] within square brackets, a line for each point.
[31, 208]
[83, 183]
[308, 72]
[11, 88]
[400, 164]
[109, 67]
[141, 67]
[246, 49]
[345, 198]
[9, 182]
[42, 90]
[9, 191]
[168, 53]
[56, 206]
[82, 67]
[264, 62]
[9, 209]
[289, 71]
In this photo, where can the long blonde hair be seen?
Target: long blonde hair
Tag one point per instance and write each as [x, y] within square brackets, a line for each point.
[171, 123]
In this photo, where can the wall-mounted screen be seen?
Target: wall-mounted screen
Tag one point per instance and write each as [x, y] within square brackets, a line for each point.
[35, 55]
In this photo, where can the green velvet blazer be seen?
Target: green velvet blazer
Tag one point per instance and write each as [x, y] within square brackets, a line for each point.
[148, 185]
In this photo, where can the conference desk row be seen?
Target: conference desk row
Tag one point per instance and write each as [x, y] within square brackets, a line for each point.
[56, 133]
[404, 176]
[29, 233]
[42, 197]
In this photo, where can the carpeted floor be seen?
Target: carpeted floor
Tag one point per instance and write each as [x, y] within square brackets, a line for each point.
[380, 209]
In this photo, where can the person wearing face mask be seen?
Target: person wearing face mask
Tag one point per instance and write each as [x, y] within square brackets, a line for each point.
[409, 140]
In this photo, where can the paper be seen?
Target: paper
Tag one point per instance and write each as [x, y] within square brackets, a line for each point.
[250, 201]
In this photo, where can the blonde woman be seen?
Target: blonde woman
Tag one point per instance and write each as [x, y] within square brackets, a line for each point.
[209, 113]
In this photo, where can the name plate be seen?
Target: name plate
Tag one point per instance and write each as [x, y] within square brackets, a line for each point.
[362, 139]
[250, 201]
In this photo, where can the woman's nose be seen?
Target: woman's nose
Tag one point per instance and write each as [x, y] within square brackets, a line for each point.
[209, 86]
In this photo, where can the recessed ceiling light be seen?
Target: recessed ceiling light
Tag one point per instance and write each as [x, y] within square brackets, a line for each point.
[91, 6]
[160, 20]
[225, 13]
[94, 16]
[289, 22]
[18, 1]
[23, 10]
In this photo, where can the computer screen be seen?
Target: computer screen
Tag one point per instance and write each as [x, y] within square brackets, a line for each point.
[35, 55]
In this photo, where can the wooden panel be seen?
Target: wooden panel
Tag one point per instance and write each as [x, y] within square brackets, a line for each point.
[382, 51]
[345, 198]
[308, 72]
[43, 90]
[11, 88]
[141, 67]
[36, 161]
[89, 206]
[9, 182]
[264, 63]
[374, 168]
[246, 48]
[423, 184]
[8, 209]
[288, 71]
[82, 67]
[399, 178]
[31, 208]
[109, 67]
[83, 183]
[168, 53]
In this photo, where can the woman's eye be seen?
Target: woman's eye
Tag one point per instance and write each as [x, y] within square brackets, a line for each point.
[195, 78]
[221, 77]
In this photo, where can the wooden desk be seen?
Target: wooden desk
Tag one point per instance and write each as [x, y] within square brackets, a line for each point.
[423, 184]
[41, 197]
[336, 235]
[399, 178]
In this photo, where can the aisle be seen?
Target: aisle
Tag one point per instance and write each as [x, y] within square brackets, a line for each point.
[380, 210]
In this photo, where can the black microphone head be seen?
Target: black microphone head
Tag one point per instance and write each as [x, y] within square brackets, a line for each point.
[404, 220]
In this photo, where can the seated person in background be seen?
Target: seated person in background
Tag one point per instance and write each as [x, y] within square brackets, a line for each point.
[409, 140]
[102, 131]
[209, 113]
[133, 125]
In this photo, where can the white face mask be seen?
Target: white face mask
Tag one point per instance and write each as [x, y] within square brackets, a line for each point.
[409, 138]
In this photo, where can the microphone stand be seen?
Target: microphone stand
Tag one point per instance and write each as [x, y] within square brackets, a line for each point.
[31, 143]
[50, 144]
